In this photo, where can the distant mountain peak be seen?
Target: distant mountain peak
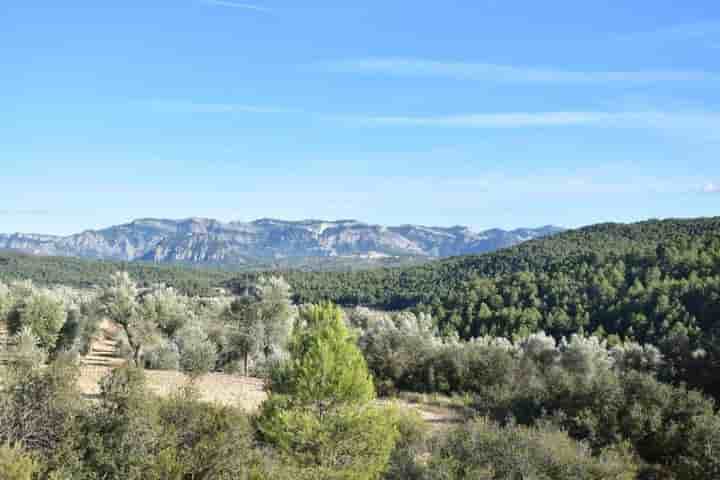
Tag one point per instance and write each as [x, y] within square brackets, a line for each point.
[199, 240]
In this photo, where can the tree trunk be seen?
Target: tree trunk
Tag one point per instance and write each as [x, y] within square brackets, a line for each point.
[137, 355]
[245, 359]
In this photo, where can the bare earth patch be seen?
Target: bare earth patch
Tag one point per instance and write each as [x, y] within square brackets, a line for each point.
[244, 392]
[232, 390]
[220, 388]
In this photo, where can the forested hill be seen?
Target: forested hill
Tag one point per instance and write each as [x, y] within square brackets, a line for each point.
[82, 273]
[594, 244]
[643, 280]
[640, 280]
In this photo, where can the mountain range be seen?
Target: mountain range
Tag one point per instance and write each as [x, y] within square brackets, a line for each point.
[203, 241]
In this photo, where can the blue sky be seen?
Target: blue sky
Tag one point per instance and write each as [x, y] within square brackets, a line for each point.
[484, 113]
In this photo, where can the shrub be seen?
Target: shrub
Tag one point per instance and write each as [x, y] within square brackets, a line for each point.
[198, 358]
[349, 443]
[121, 434]
[6, 301]
[198, 354]
[44, 314]
[164, 356]
[485, 450]
[412, 444]
[204, 440]
[25, 353]
[15, 464]
[38, 406]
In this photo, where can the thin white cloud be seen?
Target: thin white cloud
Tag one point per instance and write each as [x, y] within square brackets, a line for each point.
[699, 121]
[30, 212]
[690, 123]
[183, 106]
[244, 6]
[711, 187]
[410, 67]
[682, 32]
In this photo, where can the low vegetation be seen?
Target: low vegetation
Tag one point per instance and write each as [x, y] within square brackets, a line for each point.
[624, 388]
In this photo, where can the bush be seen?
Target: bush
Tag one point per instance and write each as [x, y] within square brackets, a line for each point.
[25, 352]
[6, 302]
[42, 312]
[349, 443]
[164, 356]
[121, 434]
[485, 450]
[412, 444]
[15, 464]
[700, 460]
[198, 354]
[204, 440]
[38, 406]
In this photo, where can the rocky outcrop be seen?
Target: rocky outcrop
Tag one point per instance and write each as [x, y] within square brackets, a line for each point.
[207, 241]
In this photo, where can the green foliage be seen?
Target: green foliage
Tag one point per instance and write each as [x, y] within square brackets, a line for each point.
[245, 330]
[43, 313]
[652, 282]
[167, 309]
[204, 441]
[350, 442]
[412, 444]
[485, 450]
[325, 367]
[164, 356]
[124, 304]
[274, 313]
[25, 352]
[6, 301]
[38, 406]
[318, 415]
[198, 356]
[258, 322]
[81, 273]
[15, 464]
[131, 435]
[121, 433]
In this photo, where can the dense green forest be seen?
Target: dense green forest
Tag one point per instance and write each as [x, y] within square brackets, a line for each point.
[641, 281]
[193, 280]
[81, 273]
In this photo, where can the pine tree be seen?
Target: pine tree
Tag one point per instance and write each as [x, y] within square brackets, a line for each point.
[319, 416]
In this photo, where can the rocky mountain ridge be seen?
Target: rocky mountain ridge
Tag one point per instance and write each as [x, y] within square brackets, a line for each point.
[209, 241]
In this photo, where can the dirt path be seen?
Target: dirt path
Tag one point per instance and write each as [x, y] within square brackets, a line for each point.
[438, 417]
[103, 348]
[248, 393]
[233, 390]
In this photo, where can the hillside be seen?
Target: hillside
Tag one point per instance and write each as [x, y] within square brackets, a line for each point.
[199, 241]
[398, 288]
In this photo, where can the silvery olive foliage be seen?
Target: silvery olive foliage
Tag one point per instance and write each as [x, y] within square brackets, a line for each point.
[6, 301]
[405, 351]
[25, 351]
[43, 311]
[197, 353]
[258, 323]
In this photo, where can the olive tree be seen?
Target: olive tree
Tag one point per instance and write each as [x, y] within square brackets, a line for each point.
[198, 354]
[6, 301]
[122, 302]
[259, 322]
[275, 313]
[44, 313]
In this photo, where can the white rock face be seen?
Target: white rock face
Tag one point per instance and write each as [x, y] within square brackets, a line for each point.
[207, 241]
